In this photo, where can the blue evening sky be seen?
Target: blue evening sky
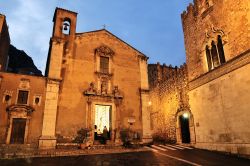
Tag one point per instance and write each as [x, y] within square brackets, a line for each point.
[151, 26]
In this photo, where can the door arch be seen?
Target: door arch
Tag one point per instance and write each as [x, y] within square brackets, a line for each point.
[185, 131]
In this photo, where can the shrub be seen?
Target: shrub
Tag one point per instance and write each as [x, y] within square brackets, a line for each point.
[125, 137]
[82, 135]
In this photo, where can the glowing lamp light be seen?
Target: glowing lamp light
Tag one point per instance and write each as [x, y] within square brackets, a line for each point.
[149, 103]
[185, 115]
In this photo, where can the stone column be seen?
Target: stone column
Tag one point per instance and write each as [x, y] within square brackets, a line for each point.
[48, 139]
[146, 130]
[89, 118]
[118, 122]
[144, 90]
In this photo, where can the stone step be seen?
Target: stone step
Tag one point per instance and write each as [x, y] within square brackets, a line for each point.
[67, 145]
[109, 145]
[17, 147]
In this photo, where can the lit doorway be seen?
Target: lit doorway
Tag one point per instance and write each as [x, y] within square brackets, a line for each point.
[18, 131]
[185, 131]
[102, 119]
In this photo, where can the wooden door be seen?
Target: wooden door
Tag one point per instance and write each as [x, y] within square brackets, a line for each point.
[18, 131]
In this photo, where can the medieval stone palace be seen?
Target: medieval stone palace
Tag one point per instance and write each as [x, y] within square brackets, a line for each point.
[95, 80]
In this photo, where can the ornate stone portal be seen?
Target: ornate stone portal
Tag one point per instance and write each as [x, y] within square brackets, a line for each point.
[18, 123]
[103, 110]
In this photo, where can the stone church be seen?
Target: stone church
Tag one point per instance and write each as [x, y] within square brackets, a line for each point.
[95, 80]
[92, 80]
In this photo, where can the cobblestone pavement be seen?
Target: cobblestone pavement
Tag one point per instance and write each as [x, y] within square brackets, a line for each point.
[155, 155]
[124, 159]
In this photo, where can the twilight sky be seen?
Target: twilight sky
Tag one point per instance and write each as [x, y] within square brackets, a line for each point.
[151, 26]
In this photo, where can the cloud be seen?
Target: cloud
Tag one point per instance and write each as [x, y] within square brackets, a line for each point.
[153, 28]
[30, 26]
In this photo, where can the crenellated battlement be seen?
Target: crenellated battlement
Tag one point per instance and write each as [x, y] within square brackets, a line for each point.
[158, 73]
[196, 8]
[190, 11]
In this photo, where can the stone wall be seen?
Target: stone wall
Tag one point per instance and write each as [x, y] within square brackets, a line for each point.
[229, 18]
[10, 84]
[221, 112]
[219, 98]
[168, 96]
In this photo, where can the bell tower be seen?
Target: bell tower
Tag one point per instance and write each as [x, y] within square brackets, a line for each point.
[61, 46]
[61, 42]
[64, 23]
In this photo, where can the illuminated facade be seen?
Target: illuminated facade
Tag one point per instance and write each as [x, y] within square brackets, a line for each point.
[85, 87]
[217, 45]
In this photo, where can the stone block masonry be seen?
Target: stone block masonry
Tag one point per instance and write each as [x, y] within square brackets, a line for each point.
[168, 96]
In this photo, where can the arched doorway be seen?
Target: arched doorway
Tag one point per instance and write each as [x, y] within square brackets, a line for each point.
[185, 131]
[184, 125]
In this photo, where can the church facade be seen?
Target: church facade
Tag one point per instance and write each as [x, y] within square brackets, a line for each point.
[92, 80]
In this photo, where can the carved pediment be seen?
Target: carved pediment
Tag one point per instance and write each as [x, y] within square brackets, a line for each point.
[104, 51]
[20, 109]
[91, 91]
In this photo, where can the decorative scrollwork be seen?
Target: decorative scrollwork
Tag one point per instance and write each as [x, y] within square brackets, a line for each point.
[20, 109]
[91, 90]
[104, 51]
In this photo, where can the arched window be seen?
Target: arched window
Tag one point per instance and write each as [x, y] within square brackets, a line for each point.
[221, 50]
[66, 26]
[209, 58]
[214, 53]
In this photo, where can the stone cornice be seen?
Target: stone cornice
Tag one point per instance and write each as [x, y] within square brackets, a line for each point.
[233, 64]
[53, 80]
[57, 40]
[106, 75]
[143, 57]
[20, 107]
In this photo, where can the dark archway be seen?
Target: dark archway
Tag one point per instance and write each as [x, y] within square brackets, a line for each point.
[185, 131]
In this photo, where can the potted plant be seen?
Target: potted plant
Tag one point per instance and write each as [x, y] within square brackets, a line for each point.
[83, 138]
